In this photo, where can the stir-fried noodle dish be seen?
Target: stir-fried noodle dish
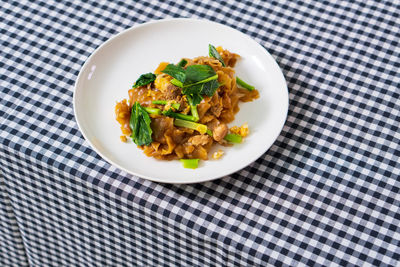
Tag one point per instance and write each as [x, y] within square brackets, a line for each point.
[182, 110]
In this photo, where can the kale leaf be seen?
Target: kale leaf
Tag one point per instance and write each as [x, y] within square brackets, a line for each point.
[182, 63]
[198, 73]
[144, 79]
[177, 72]
[212, 51]
[140, 125]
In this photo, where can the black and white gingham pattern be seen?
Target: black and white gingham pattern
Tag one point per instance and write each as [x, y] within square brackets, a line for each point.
[326, 193]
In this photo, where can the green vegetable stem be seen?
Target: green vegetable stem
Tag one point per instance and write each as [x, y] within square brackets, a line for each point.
[244, 84]
[232, 138]
[164, 102]
[154, 111]
[176, 115]
[193, 108]
[201, 128]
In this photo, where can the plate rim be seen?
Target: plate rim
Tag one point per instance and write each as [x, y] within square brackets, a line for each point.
[132, 28]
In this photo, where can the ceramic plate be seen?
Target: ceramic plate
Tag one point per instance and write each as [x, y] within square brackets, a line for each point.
[111, 70]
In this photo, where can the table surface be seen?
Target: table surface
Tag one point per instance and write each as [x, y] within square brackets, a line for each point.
[326, 192]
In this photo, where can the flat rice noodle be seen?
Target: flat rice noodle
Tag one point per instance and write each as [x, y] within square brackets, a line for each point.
[216, 105]
[224, 79]
[248, 96]
[199, 153]
[179, 151]
[226, 101]
[123, 114]
[227, 116]
[203, 107]
[178, 136]
[160, 126]
[207, 118]
[170, 145]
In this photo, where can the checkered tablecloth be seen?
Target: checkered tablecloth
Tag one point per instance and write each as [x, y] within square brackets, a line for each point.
[326, 193]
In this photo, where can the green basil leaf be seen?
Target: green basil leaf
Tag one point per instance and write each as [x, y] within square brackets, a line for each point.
[140, 125]
[176, 72]
[144, 79]
[212, 51]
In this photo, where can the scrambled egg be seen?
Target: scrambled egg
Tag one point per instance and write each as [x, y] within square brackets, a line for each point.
[243, 130]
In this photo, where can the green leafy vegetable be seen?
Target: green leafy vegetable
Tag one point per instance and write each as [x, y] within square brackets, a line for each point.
[190, 163]
[172, 114]
[164, 102]
[212, 51]
[144, 79]
[193, 108]
[140, 125]
[152, 110]
[182, 63]
[176, 72]
[196, 99]
[196, 74]
[201, 128]
[244, 84]
[207, 88]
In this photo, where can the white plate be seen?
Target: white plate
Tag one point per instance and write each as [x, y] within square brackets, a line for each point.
[111, 70]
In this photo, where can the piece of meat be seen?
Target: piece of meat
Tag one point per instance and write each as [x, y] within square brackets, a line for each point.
[200, 139]
[171, 92]
[220, 131]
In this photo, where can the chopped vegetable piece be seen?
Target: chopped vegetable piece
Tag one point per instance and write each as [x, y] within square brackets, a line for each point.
[182, 63]
[201, 128]
[214, 53]
[190, 163]
[176, 72]
[193, 108]
[244, 84]
[155, 111]
[196, 98]
[140, 125]
[144, 79]
[176, 83]
[176, 115]
[164, 102]
[233, 138]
